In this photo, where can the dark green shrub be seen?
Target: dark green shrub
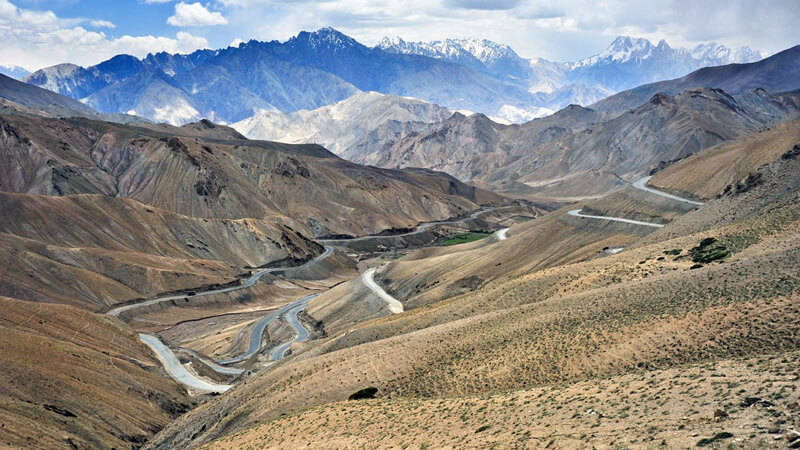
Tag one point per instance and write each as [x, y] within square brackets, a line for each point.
[364, 393]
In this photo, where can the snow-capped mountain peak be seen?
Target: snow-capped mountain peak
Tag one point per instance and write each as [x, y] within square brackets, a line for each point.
[715, 54]
[327, 37]
[623, 49]
[483, 50]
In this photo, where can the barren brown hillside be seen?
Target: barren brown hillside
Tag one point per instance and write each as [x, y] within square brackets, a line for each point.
[75, 379]
[651, 307]
[184, 171]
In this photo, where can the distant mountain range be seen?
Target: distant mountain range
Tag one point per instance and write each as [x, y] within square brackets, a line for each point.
[776, 74]
[577, 150]
[626, 63]
[316, 69]
[13, 71]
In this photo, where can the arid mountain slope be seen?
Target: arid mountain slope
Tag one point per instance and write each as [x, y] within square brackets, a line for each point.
[576, 152]
[775, 74]
[95, 251]
[708, 173]
[306, 186]
[338, 126]
[74, 379]
[649, 307]
[467, 147]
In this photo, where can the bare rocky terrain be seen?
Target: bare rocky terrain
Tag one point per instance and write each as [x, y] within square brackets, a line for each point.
[185, 287]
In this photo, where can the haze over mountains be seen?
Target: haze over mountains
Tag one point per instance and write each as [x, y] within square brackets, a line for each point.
[320, 244]
[626, 63]
[320, 68]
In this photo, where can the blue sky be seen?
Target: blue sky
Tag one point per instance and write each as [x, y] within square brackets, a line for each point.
[38, 33]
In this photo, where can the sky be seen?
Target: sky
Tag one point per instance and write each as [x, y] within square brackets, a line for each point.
[40, 33]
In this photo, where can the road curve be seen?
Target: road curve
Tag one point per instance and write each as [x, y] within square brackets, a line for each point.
[641, 185]
[247, 283]
[213, 365]
[257, 332]
[577, 213]
[369, 280]
[176, 370]
[501, 234]
[301, 332]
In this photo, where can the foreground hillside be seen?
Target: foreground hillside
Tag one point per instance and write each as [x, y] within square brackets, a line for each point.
[581, 347]
[74, 379]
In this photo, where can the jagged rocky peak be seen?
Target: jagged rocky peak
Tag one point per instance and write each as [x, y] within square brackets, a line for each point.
[325, 37]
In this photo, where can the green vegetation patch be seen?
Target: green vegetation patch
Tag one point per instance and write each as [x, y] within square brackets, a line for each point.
[710, 249]
[463, 238]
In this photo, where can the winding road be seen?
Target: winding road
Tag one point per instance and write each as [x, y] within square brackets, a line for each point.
[577, 213]
[421, 227]
[247, 283]
[257, 333]
[369, 281]
[176, 370]
[302, 333]
[213, 365]
[171, 362]
[641, 184]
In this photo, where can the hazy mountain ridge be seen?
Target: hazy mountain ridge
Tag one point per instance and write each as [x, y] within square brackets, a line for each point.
[306, 72]
[315, 69]
[627, 62]
[338, 126]
[15, 72]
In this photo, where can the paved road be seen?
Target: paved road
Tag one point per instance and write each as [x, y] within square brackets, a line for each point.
[369, 280]
[641, 184]
[577, 213]
[501, 234]
[257, 333]
[247, 283]
[301, 332]
[176, 370]
[422, 227]
[213, 365]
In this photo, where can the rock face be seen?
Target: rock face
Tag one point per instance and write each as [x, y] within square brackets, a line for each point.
[577, 151]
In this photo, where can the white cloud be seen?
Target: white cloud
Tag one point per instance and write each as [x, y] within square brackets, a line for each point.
[36, 39]
[99, 23]
[195, 14]
[236, 42]
[564, 30]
